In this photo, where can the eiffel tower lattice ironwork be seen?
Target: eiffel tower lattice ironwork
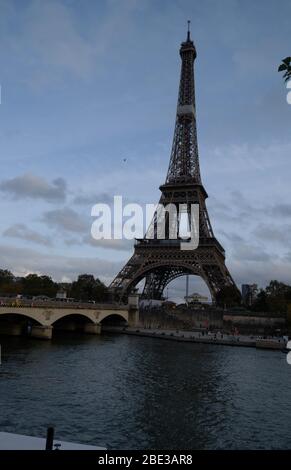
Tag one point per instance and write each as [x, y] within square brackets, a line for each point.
[161, 261]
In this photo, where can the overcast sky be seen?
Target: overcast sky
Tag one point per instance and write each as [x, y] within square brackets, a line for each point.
[86, 85]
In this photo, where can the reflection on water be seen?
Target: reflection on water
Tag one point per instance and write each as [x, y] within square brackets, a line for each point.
[142, 393]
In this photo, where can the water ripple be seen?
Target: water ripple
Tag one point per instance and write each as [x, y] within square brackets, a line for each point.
[141, 393]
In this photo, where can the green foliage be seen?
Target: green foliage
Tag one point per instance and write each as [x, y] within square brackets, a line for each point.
[228, 296]
[33, 284]
[88, 288]
[274, 298]
[286, 68]
[85, 288]
[6, 277]
[260, 304]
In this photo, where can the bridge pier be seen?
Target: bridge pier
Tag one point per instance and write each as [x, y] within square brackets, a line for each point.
[133, 310]
[92, 328]
[12, 329]
[41, 332]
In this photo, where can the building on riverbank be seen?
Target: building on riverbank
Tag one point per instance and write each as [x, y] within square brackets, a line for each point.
[255, 322]
[210, 317]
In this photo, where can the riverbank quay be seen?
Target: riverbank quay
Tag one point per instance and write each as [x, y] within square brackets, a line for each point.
[217, 338]
[17, 442]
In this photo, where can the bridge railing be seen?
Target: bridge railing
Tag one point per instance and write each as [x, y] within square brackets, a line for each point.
[16, 302]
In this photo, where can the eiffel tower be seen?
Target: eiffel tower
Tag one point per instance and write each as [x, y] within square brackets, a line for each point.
[160, 261]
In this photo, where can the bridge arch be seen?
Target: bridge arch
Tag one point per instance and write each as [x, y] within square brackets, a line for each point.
[65, 315]
[22, 315]
[105, 315]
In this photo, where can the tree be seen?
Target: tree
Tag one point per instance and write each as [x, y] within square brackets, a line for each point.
[228, 296]
[88, 288]
[275, 288]
[8, 283]
[261, 302]
[6, 277]
[286, 68]
[277, 293]
[274, 298]
[39, 285]
[85, 288]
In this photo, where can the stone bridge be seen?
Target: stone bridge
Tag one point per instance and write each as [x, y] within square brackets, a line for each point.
[40, 319]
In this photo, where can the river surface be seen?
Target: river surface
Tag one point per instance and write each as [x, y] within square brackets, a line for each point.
[142, 393]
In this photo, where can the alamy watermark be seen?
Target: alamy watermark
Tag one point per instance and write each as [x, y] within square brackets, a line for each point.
[288, 347]
[288, 97]
[165, 222]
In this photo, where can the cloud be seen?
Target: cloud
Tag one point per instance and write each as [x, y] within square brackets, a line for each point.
[231, 236]
[260, 273]
[246, 252]
[23, 261]
[91, 199]
[281, 210]
[119, 245]
[24, 233]
[273, 233]
[66, 220]
[57, 43]
[29, 186]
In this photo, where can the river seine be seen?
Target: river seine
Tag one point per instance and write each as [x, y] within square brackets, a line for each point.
[128, 392]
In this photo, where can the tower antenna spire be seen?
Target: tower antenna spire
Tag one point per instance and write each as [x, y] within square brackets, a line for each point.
[188, 30]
